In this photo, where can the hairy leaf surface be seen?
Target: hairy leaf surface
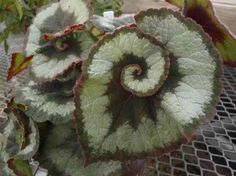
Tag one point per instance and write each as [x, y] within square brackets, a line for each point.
[59, 153]
[203, 13]
[133, 101]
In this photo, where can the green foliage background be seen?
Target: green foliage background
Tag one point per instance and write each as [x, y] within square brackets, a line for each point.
[17, 15]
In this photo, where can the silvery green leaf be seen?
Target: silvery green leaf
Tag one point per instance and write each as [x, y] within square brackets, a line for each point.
[60, 154]
[16, 143]
[51, 100]
[53, 57]
[145, 93]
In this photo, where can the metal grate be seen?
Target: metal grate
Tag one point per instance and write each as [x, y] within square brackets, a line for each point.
[212, 153]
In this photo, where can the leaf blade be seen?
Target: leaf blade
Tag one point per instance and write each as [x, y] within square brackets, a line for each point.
[18, 8]
[18, 64]
[202, 11]
[178, 3]
[20, 167]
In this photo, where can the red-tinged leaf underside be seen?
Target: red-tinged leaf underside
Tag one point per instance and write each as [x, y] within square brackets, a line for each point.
[69, 30]
[178, 3]
[18, 64]
[20, 167]
[203, 13]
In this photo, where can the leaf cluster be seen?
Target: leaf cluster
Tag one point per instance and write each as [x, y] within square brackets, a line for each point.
[101, 92]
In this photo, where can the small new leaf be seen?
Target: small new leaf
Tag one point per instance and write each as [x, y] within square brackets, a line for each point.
[18, 8]
[18, 64]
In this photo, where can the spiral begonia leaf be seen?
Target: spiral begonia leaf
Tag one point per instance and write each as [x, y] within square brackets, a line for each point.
[52, 100]
[50, 62]
[20, 141]
[63, 21]
[113, 95]
[60, 154]
[21, 138]
[192, 89]
[116, 122]
[55, 18]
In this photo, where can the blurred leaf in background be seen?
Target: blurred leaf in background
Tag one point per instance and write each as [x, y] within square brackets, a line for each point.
[99, 6]
[16, 16]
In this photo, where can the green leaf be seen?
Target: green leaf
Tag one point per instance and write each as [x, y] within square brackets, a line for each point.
[18, 8]
[52, 100]
[194, 80]
[60, 154]
[100, 6]
[18, 64]
[20, 167]
[123, 70]
[59, 15]
[132, 101]
[203, 13]
[178, 3]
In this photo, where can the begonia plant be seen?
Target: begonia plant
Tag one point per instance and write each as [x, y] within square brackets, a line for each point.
[101, 95]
